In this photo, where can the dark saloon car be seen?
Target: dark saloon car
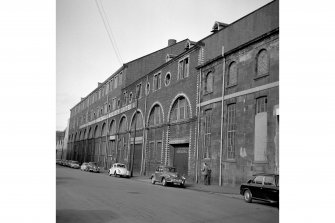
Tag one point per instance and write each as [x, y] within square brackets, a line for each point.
[167, 175]
[264, 187]
[93, 167]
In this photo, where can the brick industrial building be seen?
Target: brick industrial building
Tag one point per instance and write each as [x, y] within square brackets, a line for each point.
[215, 100]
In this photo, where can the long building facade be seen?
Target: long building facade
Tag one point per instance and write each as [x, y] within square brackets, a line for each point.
[215, 101]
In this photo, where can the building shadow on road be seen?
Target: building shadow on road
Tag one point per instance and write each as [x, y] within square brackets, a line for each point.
[97, 216]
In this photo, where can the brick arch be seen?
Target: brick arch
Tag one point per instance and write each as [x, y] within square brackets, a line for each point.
[123, 116]
[113, 122]
[152, 106]
[103, 131]
[96, 131]
[132, 118]
[174, 100]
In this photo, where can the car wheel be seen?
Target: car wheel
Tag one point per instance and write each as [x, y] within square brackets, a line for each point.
[153, 181]
[109, 173]
[164, 182]
[115, 175]
[247, 196]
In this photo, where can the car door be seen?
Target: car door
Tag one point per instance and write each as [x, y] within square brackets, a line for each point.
[270, 189]
[158, 173]
[255, 187]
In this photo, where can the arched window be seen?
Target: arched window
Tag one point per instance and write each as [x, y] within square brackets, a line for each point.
[123, 124]
[180, 110]
[96, 132]
[156, 116]
[112, 128]
[232, 74]
[262, 66]
[90, 133]
[139, 121]
[209, 82]
[85, 134]
[104, 130]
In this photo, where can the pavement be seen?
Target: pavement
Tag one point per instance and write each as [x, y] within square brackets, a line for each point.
[226, 190]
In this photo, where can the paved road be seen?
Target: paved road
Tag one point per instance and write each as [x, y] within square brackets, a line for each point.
[90, 197]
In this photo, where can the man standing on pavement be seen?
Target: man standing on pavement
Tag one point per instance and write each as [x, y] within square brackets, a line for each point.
[205, 172]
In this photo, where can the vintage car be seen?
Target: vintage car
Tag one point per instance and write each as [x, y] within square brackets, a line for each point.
[84, 167]
[119, 169]
[263, 187]
[93, 167]
[167, 175]
[74, 164]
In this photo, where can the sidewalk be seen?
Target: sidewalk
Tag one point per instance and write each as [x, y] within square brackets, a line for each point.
[215, 189]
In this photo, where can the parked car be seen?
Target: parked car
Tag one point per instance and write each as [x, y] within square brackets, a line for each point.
[84, 167]
[167, 175]
[93, 167]
[119, 169]
[264, 187]
[74, 164]
[58, 161]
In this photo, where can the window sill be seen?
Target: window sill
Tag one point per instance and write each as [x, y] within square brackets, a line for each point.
[261, 76]
[230, 161]
[231, 85]
[207, 93]
[261, 162]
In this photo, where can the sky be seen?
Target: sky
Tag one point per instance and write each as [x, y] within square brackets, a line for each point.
[86, 56]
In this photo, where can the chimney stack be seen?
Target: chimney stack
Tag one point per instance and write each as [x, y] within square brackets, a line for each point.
[171, 42]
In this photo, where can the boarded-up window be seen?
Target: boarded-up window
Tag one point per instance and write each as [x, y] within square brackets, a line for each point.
[260, 136]
[231, 131]
[158, 151]
[209, 82]
[232, 74]
[139, 121]
[262, 63]
[207, 133]
[260, 130]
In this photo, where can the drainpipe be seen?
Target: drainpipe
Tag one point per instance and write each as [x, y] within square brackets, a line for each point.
[221, 141]
[198, 126]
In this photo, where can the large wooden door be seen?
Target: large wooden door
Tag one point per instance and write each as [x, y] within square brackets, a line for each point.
[137, 159]
[180, 159]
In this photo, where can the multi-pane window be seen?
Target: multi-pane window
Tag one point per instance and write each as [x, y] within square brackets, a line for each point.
[261, 104]
[209, 82]
[262, 66]
[114, 103]
[111, 84]
[139, 121]
[115, 81]
[138, 90]
[231, 131]
[155, 117]
[180, 110]
[156, 82]
[120, 78]
[207, 133]
[105, 108]
[125, 97]
[183, 68]
[232, 74]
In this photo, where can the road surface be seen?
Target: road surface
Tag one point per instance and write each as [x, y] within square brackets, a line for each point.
[92, 197]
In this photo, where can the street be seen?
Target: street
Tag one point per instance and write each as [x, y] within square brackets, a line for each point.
[91, 197]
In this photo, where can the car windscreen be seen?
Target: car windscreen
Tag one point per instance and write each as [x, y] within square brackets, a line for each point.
[93, 164]
[170, 169]
[75, 162]
[121, 165]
